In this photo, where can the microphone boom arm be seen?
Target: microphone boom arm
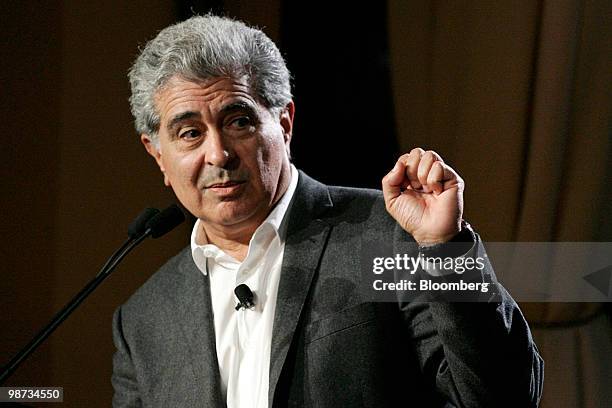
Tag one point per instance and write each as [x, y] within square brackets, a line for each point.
[155, 224]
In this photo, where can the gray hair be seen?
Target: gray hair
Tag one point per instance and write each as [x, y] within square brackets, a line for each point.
[201, 48]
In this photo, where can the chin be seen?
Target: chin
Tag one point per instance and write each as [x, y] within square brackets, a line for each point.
[232, 214]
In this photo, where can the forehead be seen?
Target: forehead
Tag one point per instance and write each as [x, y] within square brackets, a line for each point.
[179, 95]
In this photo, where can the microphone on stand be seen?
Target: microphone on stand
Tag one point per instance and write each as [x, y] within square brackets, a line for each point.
[149, 222]
[135, 229]
[139, 225]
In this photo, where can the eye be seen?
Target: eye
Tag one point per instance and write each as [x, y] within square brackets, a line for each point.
[241, 122]
[189, 134]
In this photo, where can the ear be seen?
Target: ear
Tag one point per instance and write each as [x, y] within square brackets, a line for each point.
[155, 151]
[286, 121]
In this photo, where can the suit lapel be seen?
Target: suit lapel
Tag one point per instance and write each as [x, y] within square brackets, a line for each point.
[195, 317]
[305, 241]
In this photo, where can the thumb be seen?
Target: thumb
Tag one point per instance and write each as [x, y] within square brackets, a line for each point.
[392, 182]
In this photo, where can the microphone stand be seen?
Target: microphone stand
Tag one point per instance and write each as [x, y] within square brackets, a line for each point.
[106, 270]
[150, 222]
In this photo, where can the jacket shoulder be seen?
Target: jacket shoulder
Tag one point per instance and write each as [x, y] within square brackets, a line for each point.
[359, 204]
[160, 286]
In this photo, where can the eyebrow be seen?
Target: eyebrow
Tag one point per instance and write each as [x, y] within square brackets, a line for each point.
[239, 106]
[181, 117]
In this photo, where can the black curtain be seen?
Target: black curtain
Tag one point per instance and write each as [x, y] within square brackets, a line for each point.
[338, 56]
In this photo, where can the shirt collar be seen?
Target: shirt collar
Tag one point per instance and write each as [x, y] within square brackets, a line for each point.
[276, 219]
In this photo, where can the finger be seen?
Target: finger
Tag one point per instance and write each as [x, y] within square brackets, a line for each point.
[427, 160]
[397, 174]
[412, 167]
[436, 155]
[394, 181]
[442, 177]
[434, 177]
[402, 160]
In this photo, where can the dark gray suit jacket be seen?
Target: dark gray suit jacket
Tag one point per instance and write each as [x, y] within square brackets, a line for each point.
[331, 346]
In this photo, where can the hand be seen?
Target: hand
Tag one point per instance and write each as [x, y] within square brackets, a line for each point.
[425, 196]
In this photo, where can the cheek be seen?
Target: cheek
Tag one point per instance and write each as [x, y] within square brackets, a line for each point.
[182, 170]
[269, 160]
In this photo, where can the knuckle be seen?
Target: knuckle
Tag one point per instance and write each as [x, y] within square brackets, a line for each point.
[435, 155]
[403, 157]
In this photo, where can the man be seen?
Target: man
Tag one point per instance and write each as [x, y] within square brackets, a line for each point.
[212, 102]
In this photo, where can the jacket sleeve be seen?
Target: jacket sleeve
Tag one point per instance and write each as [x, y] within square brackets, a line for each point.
[477, 352]
[126, 392]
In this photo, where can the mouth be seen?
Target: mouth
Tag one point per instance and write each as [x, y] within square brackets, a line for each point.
[226, 184]
[226, 188]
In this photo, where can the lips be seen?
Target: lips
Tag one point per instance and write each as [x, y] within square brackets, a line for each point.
[226, 184]
[227, 190]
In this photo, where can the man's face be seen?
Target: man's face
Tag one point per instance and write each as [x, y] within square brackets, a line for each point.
[222, 152]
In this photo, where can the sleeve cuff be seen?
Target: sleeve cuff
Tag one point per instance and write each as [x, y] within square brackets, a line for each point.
[461, 245]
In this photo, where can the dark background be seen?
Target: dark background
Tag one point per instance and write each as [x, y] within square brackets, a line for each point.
[513, 94]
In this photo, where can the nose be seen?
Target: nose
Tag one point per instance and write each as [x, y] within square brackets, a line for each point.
[218, 152]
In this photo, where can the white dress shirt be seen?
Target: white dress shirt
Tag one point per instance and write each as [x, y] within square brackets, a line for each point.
[243, 338]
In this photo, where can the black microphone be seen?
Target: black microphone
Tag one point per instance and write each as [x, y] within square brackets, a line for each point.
[155, 223]
[245, 297]
[139, 225]
[136, 229]
[165, 221]
[151, 222]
